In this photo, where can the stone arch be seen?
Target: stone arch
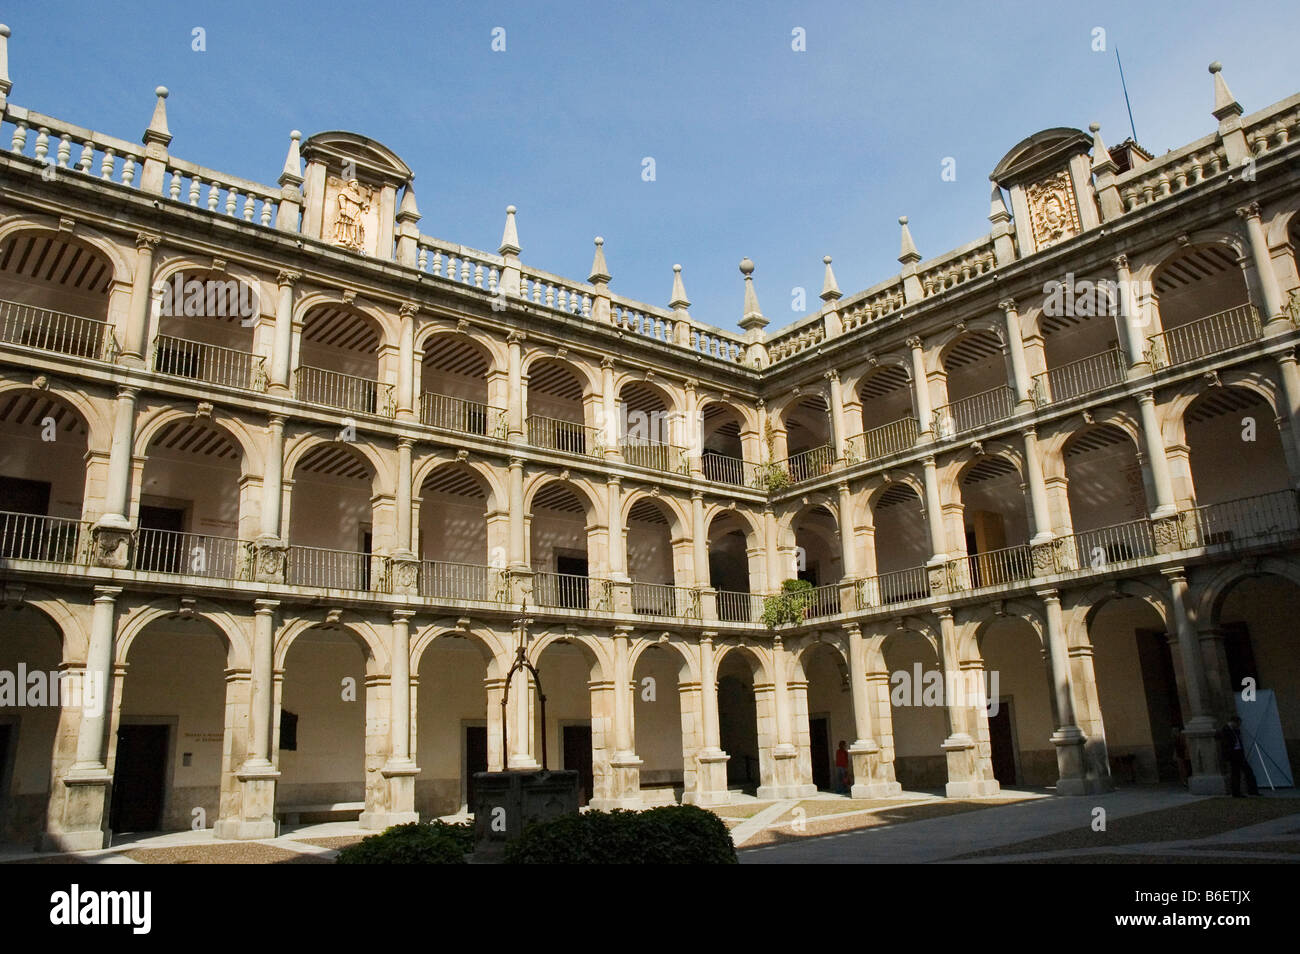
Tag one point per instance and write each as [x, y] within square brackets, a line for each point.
[995, 456]
[1055, 446]
[1211, 594]
[1179, 400]
[920, 627]
[679, 519]
[96, 418]
[799, 656]
[73, 635]
[426, 464]
[483, 638]
[171, 265]
[588, 495]
[1089, 603]
[372, 644]
[238, 651]
[154, 421]
[859, 374]
[758, 660]
[940, 348]
[971, 638]
[300, 445]
[96, 241]
[587, 378]
[868, 502]
[673, 396]
[429, 328]
[592, 651]
[672, 643]
[1158, 258]
[384, 322]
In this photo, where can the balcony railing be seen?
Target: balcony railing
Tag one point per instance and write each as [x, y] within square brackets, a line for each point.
[892, 438]
[896, 586]
[344, 391]
[1247, 521]
[190, 554]
[56, 331]
[458, 414]
[822, 601]
[1205, 336]
[461, 581]
[976, 411]
[568, 436]
[739, 607]
[567, 591]
[654, 455]
[815, 462]
[1100, 548]
[336, 569]
[728, 470]
[664, 599]
[993, 567]
[27, 536]
[1085, 376]
[211, 363]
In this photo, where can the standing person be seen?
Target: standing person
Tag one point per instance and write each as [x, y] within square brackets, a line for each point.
[842, 769]
[1237, 764]
[1181, 759]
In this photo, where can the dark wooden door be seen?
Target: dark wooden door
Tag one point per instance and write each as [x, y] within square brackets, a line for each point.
[819, 745]
[162, 550]
[577, 755]
[139, 778]
[1003, 744]
[476, 758]
[573, 592]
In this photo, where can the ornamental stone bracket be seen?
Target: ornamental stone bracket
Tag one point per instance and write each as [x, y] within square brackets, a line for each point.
[405, 575]
[1170, 533]
[938, 578]
[111, 547]
[1047, 557]
[270, 562]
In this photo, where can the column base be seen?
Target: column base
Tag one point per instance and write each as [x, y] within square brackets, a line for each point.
[870, 778]
[1208, 777]
[239, 829]
[256, 818]
[710, 780]
[378, 821]
[785, 766]
[625, 784]
[966, 780]
[973, 788]
[875, 789]
[82, 824]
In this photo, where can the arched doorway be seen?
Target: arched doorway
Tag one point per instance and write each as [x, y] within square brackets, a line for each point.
[331, 529]
[738, 732]
[919, 722]
[43, 445]
[824, 710]
[458, 729]
[1020, 716]
[662, 735]
[30, 643]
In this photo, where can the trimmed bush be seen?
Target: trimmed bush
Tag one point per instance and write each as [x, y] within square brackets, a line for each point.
[787, 607]
[433, 843]
[668, 835]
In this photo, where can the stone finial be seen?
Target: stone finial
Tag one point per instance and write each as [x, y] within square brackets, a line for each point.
[1101, 160]
[509, 237]
[158, 131]
[1224, 104]
[753, 316]
[909, 254]
[599, 270]
[408, 211]
[679, 299]
[5, 85]
[830, 290]
[291, 175]
[997, 205]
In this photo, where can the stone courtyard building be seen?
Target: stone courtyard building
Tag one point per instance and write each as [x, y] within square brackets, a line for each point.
[286, 482]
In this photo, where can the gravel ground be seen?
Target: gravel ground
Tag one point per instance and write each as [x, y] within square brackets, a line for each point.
[1121, 859]
[337, 841]
[249, 853]
[1200, 819]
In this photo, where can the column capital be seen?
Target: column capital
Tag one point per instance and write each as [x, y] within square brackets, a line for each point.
[1030, 432]
[1174, 574]
[408, 309]
[623, 630]
[516, 462]
[606, 363]
[287, 277]
[928, 460]
[1049, 596]
[944, 613]
[407, 442]
[263, 607]
[1008, 305]
[1147, 396]
[853, 629]
[107, 594]
[842, 487]
[516, 337]
[914, 342]
[697, 494]
[832, 375]
[1249, 211]
[1120, 261]
[403, 616]
[147, 241]
[128, 392]
[691, 384]
[613, 480]
[708, 636]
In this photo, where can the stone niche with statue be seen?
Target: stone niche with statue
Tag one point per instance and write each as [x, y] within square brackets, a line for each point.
[350, 192]
[1049, 177]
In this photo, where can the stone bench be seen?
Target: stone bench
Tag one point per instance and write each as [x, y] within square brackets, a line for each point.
[292, 813]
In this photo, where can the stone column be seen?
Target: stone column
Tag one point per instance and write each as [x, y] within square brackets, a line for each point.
[694, 430]
[1154, 444]
[775, 572]
[921, 387]
[78, 815]
[1200, 730]
[1069, 740]
[625, 767]
[837, 413]
[282, 349]
[1134, 327]
[1038, 507]
[112, 532]
[135, 346]
[406, 363]
[608, 408]
[270, 551]
[258, 776]
[617, 544]
[785, 755]
[868, 779]
[699, 539]
[1275, 318]
[848, 536]
[520, 573]
[711, 779]
[399, 771]
[970, 769]
[515, 389]
[1020, 381]
[1290, 381]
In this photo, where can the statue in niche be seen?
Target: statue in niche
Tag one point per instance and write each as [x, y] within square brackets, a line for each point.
[349, 226]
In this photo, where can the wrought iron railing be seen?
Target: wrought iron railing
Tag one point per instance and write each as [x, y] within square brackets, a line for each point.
[654, 455]
[28, 536]
[736, 607]
[190, 554]
[568, 436]
[729, 470]
[664, 599]
[1104, 546]
[822, 601]
[994, 567]
[337, 569]
[56, 331]
[211, 363]
[459, 414]
[896, 586]
[1078, 378]
[568, 591]
[976, 411]
[346, 392]
[460, 581]
[892, 438]
[1204, 336]
[806, 465]
[1247, 520]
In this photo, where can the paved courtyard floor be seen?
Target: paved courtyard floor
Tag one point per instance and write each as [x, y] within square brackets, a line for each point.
[1142, 825]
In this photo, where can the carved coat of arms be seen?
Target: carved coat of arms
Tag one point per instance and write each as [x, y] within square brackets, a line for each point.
[1052, 211]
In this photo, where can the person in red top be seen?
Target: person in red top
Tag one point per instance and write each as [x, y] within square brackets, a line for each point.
[842, 769]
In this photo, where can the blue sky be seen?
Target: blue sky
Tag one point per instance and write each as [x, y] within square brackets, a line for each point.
[759, 150]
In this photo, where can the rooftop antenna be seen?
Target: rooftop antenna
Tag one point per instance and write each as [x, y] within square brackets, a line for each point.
[1127, 104]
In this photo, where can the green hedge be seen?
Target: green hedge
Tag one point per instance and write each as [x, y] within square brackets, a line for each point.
[434, 843]
[669, 835]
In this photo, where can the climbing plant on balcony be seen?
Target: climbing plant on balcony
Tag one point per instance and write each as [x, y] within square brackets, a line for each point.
[787, 607]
